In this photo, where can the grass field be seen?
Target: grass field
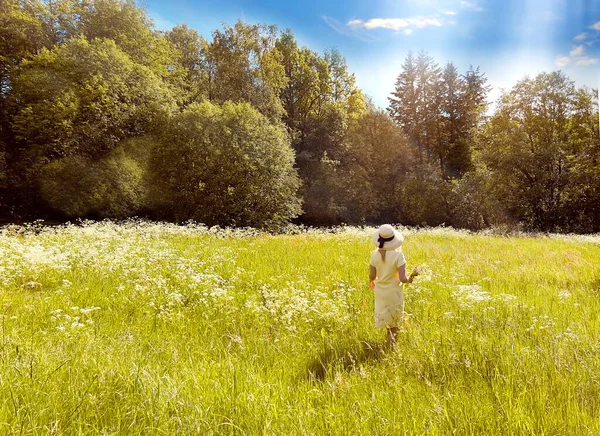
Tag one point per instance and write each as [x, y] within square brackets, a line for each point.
[141, 328]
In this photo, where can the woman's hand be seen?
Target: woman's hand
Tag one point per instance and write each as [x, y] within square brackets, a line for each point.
[416, 271]
[372, 284]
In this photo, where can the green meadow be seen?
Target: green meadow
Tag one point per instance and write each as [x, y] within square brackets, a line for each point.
[141, 328]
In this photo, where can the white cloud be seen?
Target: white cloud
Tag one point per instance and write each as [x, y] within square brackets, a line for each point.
[450, 13]
[471, 5]
[351, 31]
[581, 37]
[562, 61]
[577, 51]
[396, 23]
[408, 31]
[585, 61]
[595, 26]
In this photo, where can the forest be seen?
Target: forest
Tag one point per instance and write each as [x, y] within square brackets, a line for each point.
[104, 116]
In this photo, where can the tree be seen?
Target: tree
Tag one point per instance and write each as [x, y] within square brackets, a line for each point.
[342, 83]
[80, 99]
[114, 186]
[404, 100]
[322, 168]
[462, 106]
[225, 165]
[581, 212]
[21, 35]
[383, 152]
[244, 65]
[131, 29]
[525, 146]
[438, 111]
[415, 102]
[321, 104]
[306, 91]
[190, 75]
[83, 98]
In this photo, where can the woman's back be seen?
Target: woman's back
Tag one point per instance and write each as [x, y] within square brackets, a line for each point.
[387, 269]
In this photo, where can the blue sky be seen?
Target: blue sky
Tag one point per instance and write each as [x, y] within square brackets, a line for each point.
[506, 39]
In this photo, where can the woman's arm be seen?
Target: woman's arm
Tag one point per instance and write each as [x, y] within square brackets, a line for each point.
[372, 276]
[402, 274]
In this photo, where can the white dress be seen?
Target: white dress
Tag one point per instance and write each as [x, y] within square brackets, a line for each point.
[389, 300]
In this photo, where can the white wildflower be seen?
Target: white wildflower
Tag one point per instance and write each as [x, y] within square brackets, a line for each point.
[564, 294]
[86, 310]
[470, 294]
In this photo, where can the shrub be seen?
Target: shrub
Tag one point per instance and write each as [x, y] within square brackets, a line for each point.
[112, 187]
[224, 165]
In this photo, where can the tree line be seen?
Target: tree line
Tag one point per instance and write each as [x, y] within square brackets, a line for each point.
[102, 116]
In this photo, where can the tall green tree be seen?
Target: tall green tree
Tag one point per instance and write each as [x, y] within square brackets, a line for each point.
[81, 99]
[22, 35]
[415, 103]
[130, 27]
[322, 104]
[321, 166]
[452, 147]
[307, 88]
[582, 205]
[382, 151]
[244, 65]
[342, 82]
[439, 110]
[225, 165]
[190, 73]
[526, 146]
[463, 102]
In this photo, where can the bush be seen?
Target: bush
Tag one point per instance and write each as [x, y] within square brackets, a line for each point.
[83, 98]
[224, 165]
[113, 187]
[474, 203]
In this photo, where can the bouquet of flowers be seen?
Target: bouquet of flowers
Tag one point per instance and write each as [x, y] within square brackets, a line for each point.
[417, 270]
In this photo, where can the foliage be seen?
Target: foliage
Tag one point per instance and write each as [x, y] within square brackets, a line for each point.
[112, 187]
[424, 199]
[84, 98]
[534, 148]
[81, 79]
[473, 202]
[382, 152]
[225, 165]
[439, 110]
[245, 66]
[190, 74]
[20, 34]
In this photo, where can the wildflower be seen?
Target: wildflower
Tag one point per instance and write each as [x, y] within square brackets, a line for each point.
[86, 310]
[470, 294]
[563, 295]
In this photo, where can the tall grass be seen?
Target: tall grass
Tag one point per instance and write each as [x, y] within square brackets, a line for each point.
[142, 328]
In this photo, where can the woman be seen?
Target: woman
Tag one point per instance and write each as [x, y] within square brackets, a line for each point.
[387, 273]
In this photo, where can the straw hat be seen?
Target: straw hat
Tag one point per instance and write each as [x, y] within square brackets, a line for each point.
[387, 238]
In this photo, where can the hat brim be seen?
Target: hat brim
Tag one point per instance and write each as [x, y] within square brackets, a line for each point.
[389, 245]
